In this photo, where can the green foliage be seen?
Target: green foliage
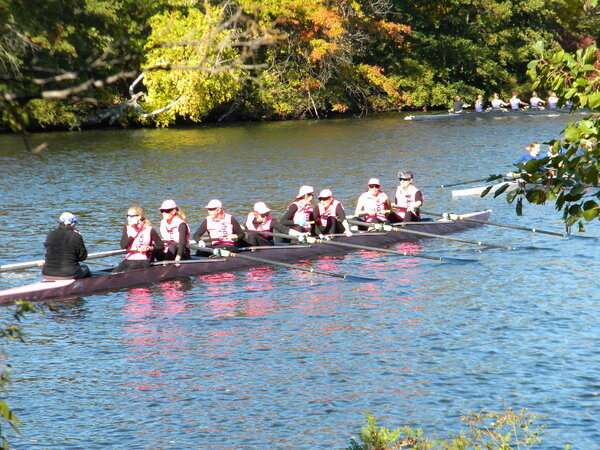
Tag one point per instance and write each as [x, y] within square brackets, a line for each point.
[502, 430]
[201, 67]
[569, 177]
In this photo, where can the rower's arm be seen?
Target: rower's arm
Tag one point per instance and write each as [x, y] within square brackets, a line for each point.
[200, 231]
[237, 228]
[287, 218]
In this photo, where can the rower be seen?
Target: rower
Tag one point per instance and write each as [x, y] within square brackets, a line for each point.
[536, 102]
[479, 103]
[141, 240]
[373, 206]
[533, 152]
[223, 229]
[458, 105]
[330, 217]
[260, 219]
[65, 250]
[516, 102]
[299, 214]
[498, 103]
[552, 100]
[174, 231]
[408, 199]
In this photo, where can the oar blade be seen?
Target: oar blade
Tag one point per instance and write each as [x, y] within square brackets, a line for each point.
[357, 279]
[449, 260]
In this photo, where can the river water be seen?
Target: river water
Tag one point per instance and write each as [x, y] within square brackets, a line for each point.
[278, 359]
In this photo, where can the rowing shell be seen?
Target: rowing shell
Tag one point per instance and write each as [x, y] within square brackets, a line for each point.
[104, 280]
[478, 190]
[489, 114]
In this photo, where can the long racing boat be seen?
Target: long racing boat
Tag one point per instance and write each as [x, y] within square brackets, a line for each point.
[489, 114]
[105, 280]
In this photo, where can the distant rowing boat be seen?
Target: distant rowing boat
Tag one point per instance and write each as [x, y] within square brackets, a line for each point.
[469, 192]
[489, 114]
[104, 280]
[512, 185]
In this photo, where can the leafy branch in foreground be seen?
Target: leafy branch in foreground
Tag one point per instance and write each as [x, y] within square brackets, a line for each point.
[10, 332]
[491, 430]
[569, 174]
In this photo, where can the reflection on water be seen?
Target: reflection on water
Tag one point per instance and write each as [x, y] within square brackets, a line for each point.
[279, 358]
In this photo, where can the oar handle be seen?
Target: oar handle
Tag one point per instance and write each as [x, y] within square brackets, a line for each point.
[40, 262]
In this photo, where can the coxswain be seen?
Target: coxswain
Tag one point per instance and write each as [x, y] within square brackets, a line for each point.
[497, 103]
[142, 241]
[536, 102]
[174, 231]
[330, 217]
[408, 199]
[222, 228]
[65, 250]
[516, 102]
[458, 105]
[299, 214]
[373, 206]
[260, 219]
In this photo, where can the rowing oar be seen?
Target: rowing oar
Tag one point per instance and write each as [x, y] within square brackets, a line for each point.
[40, 262]
[451, 216]
[489, 178]
[400, 227]
[228, 254]
[444, 259]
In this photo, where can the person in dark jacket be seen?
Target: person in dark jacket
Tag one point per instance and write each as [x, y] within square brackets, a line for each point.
[65, 249]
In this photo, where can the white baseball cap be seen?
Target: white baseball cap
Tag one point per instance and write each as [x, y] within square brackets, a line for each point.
[261, 208]
[214, 203]
[67, 218]
[168, 204]
[374, 181]
[304, 190]
[325, 193]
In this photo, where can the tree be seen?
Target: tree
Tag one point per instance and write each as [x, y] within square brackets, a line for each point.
[570, 175]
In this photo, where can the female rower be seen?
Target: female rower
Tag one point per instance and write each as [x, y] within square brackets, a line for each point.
[552, 100]
[223, 229]
[65, 249]
[373, 206]
[536, 102]
[458, 106]
[498, 103]
[174, 232]
[409, 198]
[260, 219]
[516, 102]
[330, 217]
[479, 103]
[299, 214]
[141, 240]
[533, 152]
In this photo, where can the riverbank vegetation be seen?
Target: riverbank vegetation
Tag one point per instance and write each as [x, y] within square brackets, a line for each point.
[134, 62]
[502, 430]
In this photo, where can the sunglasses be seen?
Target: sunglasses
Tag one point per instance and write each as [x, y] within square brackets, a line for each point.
[323, 199]
[211, 209]
[132, 215]
[373, 186]
[167, 211]
[404, 179]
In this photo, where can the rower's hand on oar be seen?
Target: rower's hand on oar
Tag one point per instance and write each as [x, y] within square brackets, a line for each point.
[348, 233]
